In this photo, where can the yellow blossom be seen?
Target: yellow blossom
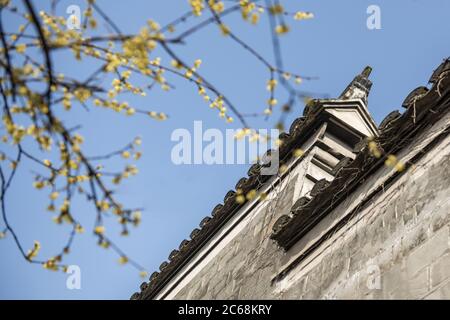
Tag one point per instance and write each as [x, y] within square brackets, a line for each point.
[176, 64]
[283, 168]
[137, 141]
[282, 29]
[82, 94]
[104, 244]
[93, 23]
[197, 63]
[263, 196]
[188, 74]
[79, 228]
[217, 6]
[298, 153]
[251, 194]
[39, 184]
[103, 205]
[123, 260]
[276, 9]
[224, 29]
[143, 274]
[303, 15]
[240, 199]
[137, 155]
[391, 160]
[158, 116]
[99, 230]
[34, 251]
[126, 74]
[20, 48]
[197, 6]
[272, 102]
[373, 149]
[50, 265]
[137, 217]
[278, 142]
[54, 195]
[254, 18]
[271, 84]
[400, 166]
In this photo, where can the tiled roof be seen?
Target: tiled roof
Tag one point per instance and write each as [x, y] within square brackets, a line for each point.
[423, 107]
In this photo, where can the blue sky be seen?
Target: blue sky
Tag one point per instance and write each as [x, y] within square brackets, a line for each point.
[335, 46]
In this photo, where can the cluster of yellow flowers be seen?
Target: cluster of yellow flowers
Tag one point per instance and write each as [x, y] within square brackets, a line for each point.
[133, 55]
[297, 153]
[197, 6]
[157, 115]
[271, 84]
[58, 35]
[282, 169]
[250, 195]
[99, 230]
[241, 133]
[52, 264]
[137, 48]
[276, 9]
[252, 134]
[374, 150]
[272, 102]
[282, 29]
[392, 161]
[64, 215]
[218, 103]
[17, 132]
[20, 48]
[123, 260]
[88, 14]
[79, 228]
[250, 11]
[82, 94]
[217, 6]
[300, 15]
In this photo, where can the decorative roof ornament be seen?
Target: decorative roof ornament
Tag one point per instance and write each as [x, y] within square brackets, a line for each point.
[289, 228]
[359, 88]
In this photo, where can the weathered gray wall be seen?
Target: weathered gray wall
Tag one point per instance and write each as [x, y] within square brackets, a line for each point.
[402, 236]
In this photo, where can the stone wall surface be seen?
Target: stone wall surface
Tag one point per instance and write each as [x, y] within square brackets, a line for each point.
[395, 247]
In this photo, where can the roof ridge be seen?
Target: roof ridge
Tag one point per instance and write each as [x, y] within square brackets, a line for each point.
[222, 212]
